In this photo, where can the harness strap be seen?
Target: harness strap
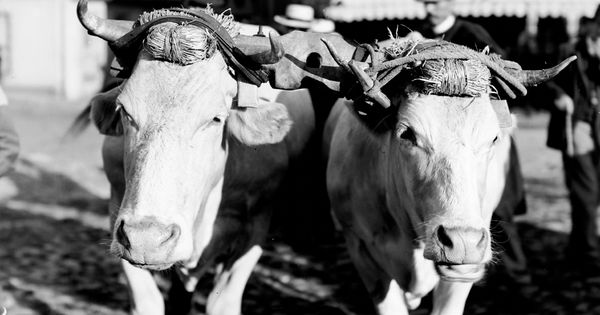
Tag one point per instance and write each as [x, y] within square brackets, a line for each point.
[127, 47]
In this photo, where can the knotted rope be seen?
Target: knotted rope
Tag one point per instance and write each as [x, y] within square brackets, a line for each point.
[179, 44]
[458, 64]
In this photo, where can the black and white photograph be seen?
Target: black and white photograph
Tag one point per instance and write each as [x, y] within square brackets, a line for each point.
[299, 157]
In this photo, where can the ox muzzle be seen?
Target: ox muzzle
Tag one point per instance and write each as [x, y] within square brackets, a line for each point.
[146, 243]
[459, 252]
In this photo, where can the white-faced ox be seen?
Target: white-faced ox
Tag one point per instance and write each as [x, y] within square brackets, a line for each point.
[413, 183]
[192, 173]
[414, 192]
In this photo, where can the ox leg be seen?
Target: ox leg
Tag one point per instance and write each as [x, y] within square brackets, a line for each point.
[179, 298]
[146, 299]
[226, 296]
[393, 303]
[387, 295]
[424, 278]
[449, 297]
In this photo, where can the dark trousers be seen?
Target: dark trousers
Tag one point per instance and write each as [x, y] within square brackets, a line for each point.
[504, 229]
[582, 174]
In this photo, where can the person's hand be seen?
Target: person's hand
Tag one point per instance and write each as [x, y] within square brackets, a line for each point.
[583, 141]
[564, 103]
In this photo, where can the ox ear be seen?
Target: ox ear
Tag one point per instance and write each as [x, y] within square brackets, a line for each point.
[266, 124]
[104, 112]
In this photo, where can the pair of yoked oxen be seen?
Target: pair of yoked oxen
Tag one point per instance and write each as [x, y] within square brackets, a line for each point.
[193, 173]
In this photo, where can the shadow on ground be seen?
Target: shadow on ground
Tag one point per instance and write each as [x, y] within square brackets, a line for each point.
[47, 261]
[66, 258]
[39, 185]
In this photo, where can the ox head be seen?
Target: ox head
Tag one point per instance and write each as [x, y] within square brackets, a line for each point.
[175, 112]
[448, 149]
[445, 150]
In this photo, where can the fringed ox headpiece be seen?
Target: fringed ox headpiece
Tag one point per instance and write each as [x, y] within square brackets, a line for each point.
[181, 43]
[442, 68]
[466, 77]
[184, 36]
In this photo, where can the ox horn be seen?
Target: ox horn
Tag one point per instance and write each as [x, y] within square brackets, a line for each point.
[109, 30]
[258, 50]
[535, 77]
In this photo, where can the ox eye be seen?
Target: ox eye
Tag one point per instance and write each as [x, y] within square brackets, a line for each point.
[219, 118]
[495, 140]
[215, 121]
[408, 134]
[127, 116]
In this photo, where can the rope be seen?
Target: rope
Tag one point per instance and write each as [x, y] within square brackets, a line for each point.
[178, 43]
[436, 50]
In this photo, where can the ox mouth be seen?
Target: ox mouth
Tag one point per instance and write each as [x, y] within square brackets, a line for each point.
[153, 267]
[460, 273]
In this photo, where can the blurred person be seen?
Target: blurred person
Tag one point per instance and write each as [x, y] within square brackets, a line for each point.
[302, 17]
[527, 54]
[441, 23]
[574, 130]
[9, 141]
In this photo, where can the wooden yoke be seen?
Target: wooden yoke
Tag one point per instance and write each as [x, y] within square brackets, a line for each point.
[306, 57]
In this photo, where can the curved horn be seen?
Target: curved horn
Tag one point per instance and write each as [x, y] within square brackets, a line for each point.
[109, 30]
[258, 50]
[335, 55]
[535, 77]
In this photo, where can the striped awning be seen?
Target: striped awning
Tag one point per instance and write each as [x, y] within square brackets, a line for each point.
[370, 10]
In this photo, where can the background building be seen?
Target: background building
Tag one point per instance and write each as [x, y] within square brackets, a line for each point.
[43, 47]
[553, 20]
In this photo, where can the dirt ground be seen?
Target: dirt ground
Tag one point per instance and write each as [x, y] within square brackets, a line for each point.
[54, 237]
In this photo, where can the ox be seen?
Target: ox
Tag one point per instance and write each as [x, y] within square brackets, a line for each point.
[414, 193]
[192, 172]
[413, 182]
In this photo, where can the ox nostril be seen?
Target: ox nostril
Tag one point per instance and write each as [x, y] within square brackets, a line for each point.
[122, 236]
[443, 237]
[173, 236]
[483, 240]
